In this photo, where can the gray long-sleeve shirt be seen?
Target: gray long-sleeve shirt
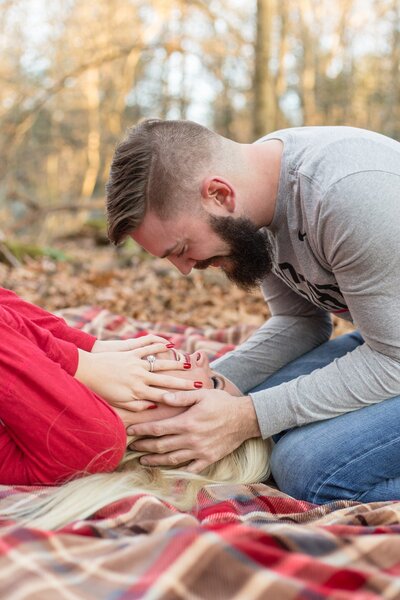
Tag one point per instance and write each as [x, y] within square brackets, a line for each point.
[336, 240]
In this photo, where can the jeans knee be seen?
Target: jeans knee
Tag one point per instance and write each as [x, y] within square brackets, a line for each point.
[308, 471]
[289, 470]
[303, 469]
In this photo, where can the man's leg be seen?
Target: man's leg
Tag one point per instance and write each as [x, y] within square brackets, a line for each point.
[353, 456]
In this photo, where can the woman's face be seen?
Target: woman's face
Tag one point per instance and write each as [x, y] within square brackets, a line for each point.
[200, 371]
[200, 368]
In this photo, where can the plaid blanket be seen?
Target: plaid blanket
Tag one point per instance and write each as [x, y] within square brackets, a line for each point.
[240, 542]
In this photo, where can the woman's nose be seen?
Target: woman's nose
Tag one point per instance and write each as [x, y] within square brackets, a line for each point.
[199, 358]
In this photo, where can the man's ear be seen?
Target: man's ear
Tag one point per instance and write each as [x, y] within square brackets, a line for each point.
[218, 196]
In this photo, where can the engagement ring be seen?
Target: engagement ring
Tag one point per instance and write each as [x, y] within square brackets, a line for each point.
[151, 359]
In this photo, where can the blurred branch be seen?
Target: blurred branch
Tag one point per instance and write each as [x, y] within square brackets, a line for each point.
[5, 254]
[37, 212]
[59, 85]
[18, 122]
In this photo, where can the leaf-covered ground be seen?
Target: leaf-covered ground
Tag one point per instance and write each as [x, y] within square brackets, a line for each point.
[135, 285]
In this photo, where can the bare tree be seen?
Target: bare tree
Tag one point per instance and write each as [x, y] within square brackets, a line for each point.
[265, 109]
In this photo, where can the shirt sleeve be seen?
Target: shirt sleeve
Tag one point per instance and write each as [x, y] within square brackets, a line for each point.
[295, 327]
[359, 234]
[58, 327]
[57, 350]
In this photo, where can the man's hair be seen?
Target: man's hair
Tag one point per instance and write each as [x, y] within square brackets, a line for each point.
[156, 167]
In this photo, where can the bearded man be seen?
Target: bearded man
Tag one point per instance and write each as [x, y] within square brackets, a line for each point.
[312, 214]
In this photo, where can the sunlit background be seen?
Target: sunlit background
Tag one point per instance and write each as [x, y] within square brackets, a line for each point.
[76, 73]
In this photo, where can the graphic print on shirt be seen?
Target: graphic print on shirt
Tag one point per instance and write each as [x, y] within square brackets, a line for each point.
[326, 296]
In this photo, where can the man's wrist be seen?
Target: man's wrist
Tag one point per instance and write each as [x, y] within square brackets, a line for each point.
[249, 418]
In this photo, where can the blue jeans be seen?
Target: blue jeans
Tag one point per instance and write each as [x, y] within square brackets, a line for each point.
[355, 456]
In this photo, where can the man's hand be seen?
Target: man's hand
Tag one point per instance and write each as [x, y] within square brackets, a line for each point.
[214, 425]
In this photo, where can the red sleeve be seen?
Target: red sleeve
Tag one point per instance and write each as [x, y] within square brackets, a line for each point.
[57, 350]
[58, 327]
[52, 427]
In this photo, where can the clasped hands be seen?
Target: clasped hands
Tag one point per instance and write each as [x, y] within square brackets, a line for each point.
[116, 371]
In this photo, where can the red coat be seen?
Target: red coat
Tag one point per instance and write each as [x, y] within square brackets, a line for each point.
[52, 427]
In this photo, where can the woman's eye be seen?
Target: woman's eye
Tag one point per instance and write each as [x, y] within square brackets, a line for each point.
[218, 382]
[215, 382]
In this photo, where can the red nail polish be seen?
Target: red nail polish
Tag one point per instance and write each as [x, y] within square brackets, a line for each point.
[187, 365]
[152, 406]
[171, 345]
[198, 384]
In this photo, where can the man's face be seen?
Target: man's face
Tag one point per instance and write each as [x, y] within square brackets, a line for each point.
[250, 251]
[202, 240]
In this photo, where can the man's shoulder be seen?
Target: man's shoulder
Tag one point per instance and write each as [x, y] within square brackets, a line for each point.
[325, 155]
[325, 134]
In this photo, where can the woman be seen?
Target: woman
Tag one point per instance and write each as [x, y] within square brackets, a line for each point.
[57, 384]
[56, 426]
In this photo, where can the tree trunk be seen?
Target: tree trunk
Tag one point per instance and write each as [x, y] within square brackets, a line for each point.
[93, 142]
[264, 119]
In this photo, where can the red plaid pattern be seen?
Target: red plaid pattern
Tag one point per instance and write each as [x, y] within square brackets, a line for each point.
[241, 542]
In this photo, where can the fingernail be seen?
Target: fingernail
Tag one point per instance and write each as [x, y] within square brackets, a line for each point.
[143, 461]
[152, 406]
[187, 365]
[130, 431]
[198, 384]
[171, 345]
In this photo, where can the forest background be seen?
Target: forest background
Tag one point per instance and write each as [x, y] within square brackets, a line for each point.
[76, 73]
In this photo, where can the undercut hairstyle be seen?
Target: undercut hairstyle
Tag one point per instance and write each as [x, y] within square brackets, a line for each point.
[158, 167]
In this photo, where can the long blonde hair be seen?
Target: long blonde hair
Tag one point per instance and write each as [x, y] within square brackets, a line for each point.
[81, 498]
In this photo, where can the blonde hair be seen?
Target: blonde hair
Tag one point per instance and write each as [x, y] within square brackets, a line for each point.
[81, 498]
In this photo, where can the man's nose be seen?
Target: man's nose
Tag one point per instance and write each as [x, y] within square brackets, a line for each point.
[184, 265]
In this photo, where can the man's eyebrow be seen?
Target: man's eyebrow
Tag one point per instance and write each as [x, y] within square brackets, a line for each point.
[170, 250]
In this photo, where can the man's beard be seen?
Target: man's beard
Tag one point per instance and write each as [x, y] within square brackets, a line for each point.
[250, 251]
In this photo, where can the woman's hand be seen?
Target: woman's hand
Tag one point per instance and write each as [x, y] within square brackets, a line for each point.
[125, 345]
[124, 379]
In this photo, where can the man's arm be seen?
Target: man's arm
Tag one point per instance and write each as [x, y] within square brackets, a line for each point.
[359, 236]
[216, 422]
[295, 327]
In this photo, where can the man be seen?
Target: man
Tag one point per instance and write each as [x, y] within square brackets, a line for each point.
[313, 215]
